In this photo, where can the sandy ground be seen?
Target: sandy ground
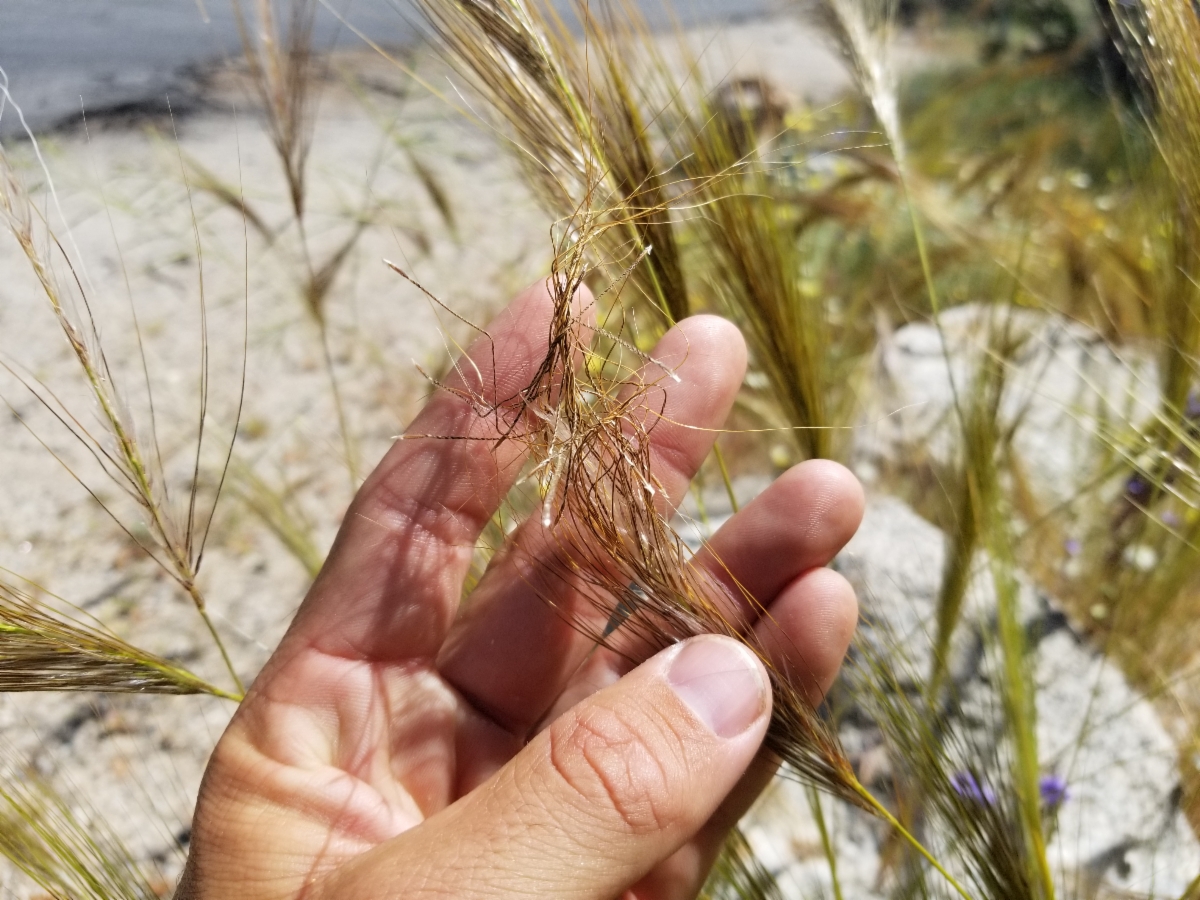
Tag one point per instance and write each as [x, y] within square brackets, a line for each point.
[125, 214]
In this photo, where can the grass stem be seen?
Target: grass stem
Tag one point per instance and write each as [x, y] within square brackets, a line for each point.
[720, 458]
[814, 802]
[198, 600]
[884, 813]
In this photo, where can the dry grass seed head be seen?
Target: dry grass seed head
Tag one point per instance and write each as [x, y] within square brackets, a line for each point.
[45, 650]
[176, 532]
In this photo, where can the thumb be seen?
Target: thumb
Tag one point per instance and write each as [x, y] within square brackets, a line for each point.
[614, 786]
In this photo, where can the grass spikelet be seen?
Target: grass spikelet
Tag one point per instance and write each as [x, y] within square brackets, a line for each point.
[973, 487]
[41, 650]
[179, 531]
[755, 276]
[282, 67]
[589, 432]
[589, 425]
[864, 30]
[577, 119]
[67, 858]
[284, 70]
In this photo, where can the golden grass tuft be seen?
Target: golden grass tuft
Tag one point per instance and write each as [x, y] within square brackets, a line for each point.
[41, 650]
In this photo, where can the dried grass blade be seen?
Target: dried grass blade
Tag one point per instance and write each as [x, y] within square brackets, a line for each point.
[67, 858]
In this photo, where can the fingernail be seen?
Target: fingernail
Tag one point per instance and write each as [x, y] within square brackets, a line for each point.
[721, 682]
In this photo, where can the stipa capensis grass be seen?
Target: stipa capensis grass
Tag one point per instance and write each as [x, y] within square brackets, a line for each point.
[176, 528]
[664, 155]
[51, 650]
[287, 74]
[580, 125]
[589, 429]
[283, 67]
[64, 853]
[755, 275]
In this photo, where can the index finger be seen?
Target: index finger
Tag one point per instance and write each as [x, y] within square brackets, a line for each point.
[391, 584]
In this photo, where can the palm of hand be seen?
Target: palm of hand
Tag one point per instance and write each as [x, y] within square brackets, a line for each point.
[384, 706]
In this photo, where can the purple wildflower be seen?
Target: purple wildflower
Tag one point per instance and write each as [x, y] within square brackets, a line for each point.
[967, 786]
[1053, 789]
[1072, 546]
[1137, 487]
[1171, 519]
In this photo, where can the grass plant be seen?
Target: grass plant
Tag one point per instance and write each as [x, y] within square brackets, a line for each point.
[284, 70]
[176, 533]
[48, 651]
[66, 857]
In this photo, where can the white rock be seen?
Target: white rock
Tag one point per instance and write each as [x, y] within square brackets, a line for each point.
[1122, 824]
[1063, 383]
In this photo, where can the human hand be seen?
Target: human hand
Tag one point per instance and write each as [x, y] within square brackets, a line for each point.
[395, 747]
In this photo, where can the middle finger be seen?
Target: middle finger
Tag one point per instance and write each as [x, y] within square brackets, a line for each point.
[763, 569]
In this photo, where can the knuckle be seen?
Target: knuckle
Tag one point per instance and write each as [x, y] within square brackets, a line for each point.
[619, 768]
